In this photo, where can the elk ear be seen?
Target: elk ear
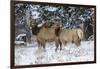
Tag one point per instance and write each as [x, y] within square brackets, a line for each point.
[46, 24]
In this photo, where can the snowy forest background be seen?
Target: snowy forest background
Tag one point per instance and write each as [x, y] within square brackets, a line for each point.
[70, 17]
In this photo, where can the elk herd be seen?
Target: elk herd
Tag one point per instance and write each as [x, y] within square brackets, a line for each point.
[55, 33]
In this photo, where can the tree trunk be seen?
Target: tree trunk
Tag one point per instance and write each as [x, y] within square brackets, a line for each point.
[29, 32]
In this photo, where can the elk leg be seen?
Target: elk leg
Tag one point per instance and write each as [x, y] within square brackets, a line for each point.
[58, 42]
[57, 45]
[60, 45]
[43, 44]
[39, 44]
[64, 42]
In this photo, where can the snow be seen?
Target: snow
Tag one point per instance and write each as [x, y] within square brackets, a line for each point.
[26, 55]
[19, 42]
[50, 8]
[40, 25]
[34, 7]
[35, 15]
[20, 35]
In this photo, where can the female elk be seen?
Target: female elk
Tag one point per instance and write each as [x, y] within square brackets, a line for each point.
[70, 35]
[45, 34]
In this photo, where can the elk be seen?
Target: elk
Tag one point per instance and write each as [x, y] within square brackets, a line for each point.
[70, 35]
[45, 34]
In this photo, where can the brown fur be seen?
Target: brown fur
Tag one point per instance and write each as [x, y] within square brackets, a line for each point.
[56, 25]
[45, 34]
[55, 33]
[71, 35]
[35, 29]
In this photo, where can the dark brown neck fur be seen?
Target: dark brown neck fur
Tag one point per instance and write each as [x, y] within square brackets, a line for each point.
[35, 30]
[57, 30]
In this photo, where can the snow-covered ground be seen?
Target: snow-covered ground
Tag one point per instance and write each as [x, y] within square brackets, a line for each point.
[28, 55]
